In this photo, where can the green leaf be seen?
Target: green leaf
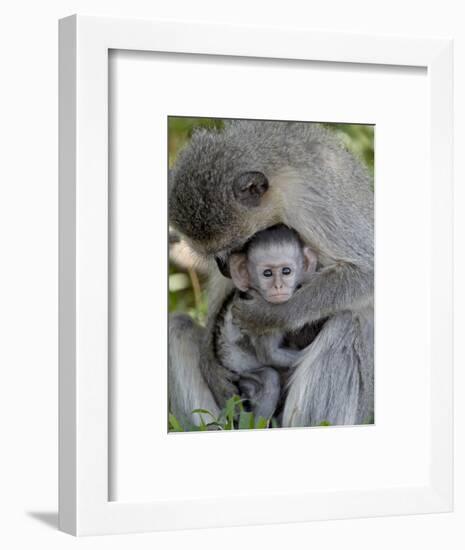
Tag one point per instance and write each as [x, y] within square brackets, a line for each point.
[233, 407]
[246, 420]
[262, 423]
[229, 410]
[174, 424]
[229, 425]
[325, 423]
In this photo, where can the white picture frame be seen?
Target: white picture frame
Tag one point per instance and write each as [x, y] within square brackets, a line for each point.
[84, 504]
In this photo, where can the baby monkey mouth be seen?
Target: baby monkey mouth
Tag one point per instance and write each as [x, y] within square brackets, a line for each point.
[281, 297]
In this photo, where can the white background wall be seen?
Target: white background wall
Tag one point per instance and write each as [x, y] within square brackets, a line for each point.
[28, 269]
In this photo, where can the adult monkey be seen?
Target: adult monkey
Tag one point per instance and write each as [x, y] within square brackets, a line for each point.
[227, 185]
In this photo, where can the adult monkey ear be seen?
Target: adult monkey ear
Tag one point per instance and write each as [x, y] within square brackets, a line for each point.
[250, 187]
[239, 272]
[310, 260]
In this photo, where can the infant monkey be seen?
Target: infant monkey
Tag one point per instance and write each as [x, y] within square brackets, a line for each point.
[274, 263]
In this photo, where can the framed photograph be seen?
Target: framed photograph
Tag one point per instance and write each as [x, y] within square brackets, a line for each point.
[255, 275]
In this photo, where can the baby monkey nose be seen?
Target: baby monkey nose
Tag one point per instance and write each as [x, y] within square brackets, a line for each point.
[278, 284]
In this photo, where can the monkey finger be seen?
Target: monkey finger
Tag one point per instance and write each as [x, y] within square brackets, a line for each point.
[230, 375]
[228, 390]
[226, 381]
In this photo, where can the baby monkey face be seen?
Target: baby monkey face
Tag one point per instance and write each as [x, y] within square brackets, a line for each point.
[276, 271]
[275, 263]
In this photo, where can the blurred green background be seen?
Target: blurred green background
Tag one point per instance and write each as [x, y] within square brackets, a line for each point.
[186, 280]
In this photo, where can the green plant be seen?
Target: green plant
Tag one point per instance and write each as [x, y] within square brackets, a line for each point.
[232, 417]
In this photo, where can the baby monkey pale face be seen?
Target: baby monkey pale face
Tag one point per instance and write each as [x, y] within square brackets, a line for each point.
[275, 271]
[274, 268]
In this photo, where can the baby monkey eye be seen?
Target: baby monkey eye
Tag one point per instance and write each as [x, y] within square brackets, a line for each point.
[286, 271]
[267, 273]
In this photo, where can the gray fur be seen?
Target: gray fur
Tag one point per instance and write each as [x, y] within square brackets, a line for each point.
[337, 359]
[252, 357]
[263, 390]
[187, 389]
[277, 235]
[325, 194]
[250, 354]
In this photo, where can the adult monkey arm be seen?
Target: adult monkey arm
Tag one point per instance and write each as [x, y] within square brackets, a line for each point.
[336, 220]
[332, 289]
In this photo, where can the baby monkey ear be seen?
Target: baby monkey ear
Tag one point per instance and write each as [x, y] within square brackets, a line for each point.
[310, 260]
[249, 188]
[239, 272]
